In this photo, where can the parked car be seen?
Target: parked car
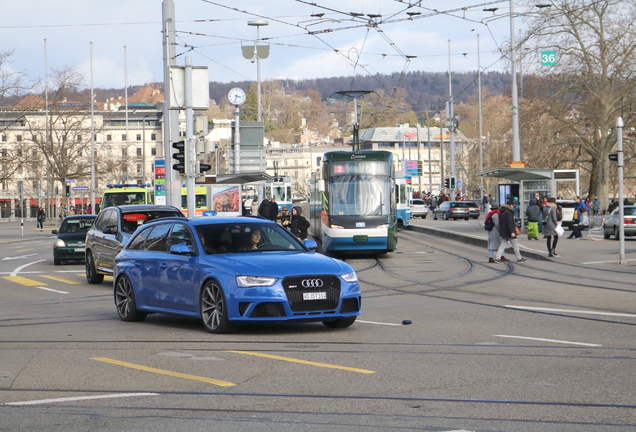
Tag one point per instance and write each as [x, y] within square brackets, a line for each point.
[474, 209]
[568, 212]
[232, 271]
[110, 232]
[69, 245]
[419, 208]
[612, 223]
[452, 210]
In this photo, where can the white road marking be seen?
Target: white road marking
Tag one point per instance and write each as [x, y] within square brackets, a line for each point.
[373, 322]
[573, 311]
[51, 289]
[79, 398]
[18, 257]
[18, 269]
[605, 262]
[548, 340]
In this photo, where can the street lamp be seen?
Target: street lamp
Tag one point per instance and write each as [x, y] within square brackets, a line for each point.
[260, 52]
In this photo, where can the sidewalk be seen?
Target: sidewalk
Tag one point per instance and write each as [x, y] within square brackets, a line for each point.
[13, 232]
[592, 251]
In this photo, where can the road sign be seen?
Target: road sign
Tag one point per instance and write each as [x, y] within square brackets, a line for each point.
[458, 184]
[80, 187]
[69, 181]
[548, 58]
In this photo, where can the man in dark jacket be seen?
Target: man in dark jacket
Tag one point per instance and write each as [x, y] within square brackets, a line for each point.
[507, 232]
[532, 213]
[273, 210]
[299, 225]
[264, 209]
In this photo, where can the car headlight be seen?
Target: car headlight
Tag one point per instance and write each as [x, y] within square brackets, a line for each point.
[60, 243]
[336, 226]
[350, 277]
[255, 281]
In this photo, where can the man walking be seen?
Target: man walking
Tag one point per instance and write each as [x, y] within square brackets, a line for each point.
[508, 233]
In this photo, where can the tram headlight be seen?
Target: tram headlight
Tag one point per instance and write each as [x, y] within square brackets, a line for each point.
[383, 226]
[336, 226]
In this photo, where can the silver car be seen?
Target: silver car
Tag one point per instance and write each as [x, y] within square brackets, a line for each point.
[419, 208]
[110, 232]
[612, 222]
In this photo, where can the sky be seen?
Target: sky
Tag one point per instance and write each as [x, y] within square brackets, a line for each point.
[212, 32]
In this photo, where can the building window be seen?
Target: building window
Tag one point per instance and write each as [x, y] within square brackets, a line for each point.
[35, 153]
[3, 153]
[295, 162]
[153, 137]
[18, 138]
[79, 153]
[138, 151]
[4, 138]
[79, 138]
[153, 151]
[139, 169]
[123, 137]
[124, 152]
[109, 137]
[34, 184]
[19, 152]
[138, 137]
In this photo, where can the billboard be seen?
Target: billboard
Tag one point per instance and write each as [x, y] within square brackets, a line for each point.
[226, 200]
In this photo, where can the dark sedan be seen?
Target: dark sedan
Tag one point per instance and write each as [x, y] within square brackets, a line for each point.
[71, 237]
[452, 210]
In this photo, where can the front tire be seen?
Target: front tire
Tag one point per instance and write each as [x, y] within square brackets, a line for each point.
[214, 309]
[606, 235]
[91, 272]
[340, 323]
[57, 261]
[125, 301]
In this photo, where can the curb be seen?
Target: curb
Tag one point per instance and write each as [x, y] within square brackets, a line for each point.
[473, 240]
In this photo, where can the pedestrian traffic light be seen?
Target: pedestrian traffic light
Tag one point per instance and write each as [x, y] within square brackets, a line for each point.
[179, 156]
[446, 183]
[452, 182]
[68, 190]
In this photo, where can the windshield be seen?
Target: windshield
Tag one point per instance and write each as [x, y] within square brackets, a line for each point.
[123, 198]
[130, 221]
[246, 237]
[360, 195]
[76, 225]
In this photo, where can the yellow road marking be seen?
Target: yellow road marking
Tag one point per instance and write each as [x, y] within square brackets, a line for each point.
[23, 281]
[303, 361]
[59, 279]
[23, 250]
[106, 278]
[165, 372]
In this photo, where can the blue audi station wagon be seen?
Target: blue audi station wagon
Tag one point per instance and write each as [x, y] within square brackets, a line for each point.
[231, 271]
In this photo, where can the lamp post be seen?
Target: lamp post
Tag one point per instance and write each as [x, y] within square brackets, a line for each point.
[516, 147]
[258, 23]
[143, 148]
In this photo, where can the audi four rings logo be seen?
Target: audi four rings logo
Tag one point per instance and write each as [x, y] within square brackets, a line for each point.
[312, 283]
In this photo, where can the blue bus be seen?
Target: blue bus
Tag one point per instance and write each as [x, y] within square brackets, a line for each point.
[353, 202]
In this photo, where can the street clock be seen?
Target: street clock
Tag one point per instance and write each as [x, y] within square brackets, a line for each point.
[236, 96]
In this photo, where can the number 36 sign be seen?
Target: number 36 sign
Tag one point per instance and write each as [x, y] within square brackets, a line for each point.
[548, 58]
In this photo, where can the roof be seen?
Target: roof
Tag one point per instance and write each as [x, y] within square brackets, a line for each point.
[518, 174]
[395, 134]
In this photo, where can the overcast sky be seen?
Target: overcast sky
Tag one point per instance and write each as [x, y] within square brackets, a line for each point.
[70, 25]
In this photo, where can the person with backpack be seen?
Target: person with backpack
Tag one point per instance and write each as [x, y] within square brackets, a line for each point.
[533, 213]
[491, 224]
[508, 231]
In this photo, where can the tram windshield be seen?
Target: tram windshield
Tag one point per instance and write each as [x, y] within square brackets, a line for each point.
[360, 195]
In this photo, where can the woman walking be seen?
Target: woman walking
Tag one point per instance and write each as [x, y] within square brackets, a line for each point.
[550, 222]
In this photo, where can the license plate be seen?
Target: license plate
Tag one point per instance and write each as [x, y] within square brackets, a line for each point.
[80, 249]
[315, 296]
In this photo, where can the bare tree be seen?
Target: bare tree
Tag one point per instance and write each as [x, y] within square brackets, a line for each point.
[593, 82]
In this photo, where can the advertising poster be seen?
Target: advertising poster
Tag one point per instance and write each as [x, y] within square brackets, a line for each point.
[226, 200]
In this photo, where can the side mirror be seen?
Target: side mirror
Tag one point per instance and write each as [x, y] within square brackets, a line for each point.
[181, 249]
[110, 229]
[310, 244]
[53, 231]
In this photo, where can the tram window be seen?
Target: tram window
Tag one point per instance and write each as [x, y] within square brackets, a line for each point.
[279, 193]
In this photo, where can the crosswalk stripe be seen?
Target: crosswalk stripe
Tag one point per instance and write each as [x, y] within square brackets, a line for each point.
[22, 280]
[59, 279]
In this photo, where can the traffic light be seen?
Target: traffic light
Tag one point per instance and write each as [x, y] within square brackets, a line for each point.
[202, 167]
[613, 157]
[179, 156]
[446, 183]
[452, 182]
[68, 190]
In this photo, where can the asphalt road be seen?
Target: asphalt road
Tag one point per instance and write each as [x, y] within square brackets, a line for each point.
[547, 345]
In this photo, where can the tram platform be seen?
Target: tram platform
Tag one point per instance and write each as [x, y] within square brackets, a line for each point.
[593, 250]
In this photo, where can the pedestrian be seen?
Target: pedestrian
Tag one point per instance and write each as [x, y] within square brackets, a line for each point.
[41, 218]
[550, 223]
[516, 211]
[254, 211]
[494, 241]
[264, 208]
[508, 233]
[89, 209]
[273, 210]
[299, 225]
[484, 203]
[533, 213]
[578, 206]
[596, 205]
[285, 217]
[581, 223]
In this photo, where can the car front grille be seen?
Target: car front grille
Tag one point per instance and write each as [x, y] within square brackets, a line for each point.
[296, 286]
[267, 310]
[349, 305]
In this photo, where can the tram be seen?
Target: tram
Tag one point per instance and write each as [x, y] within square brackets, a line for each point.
[353, 204]
[281, 190]
[403, 196]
